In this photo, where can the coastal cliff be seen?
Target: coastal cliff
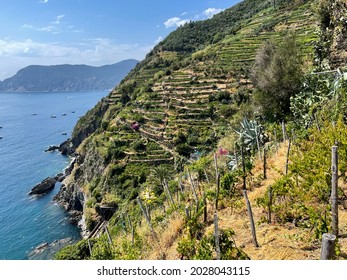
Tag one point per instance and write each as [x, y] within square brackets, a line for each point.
[60, 78]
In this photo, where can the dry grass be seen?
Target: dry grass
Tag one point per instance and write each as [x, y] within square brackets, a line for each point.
[276, 242]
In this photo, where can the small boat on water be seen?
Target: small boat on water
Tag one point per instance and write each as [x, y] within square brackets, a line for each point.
[33, 114]
[63, 114]
[0, 137]
[53, 116]
[64, 133]
[73, 112]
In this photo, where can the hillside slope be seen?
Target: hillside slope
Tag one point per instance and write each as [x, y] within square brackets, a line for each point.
[67, 77]
[165, 119]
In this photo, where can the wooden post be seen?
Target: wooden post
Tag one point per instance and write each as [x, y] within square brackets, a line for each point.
[264, 163]
[166, 186]
[235, 155]
[248, 204]
[287, 159]
[216, 165]
[217, 192]
[206, 176]
[148, 211]
[258, 144]
[328, 246]
[284, 133]
[108, 235]
[132, 235]
[132, 230]
[145, 213]
[193, 187]
[251, 220]
[334, 192]
[276, 144]
[90, 248]
[188, 214]
[269, 206]
[216, 235]
[243, 168]
[180, 184]
[205, 206]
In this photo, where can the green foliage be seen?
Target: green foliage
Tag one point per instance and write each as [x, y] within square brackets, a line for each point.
[251, 134]
[102, 250]
[277, 73]
[78, 251]
[321, 95]
[302, 197]
[196, 35]
[229, 181]
[192, 249]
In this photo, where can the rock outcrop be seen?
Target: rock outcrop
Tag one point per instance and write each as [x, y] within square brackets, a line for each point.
[43, 187]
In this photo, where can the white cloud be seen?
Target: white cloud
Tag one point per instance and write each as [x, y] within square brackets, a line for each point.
[178, 21]
[43, 1]
[160, 38]
[175, 22]
[58, 19]
[210, 12]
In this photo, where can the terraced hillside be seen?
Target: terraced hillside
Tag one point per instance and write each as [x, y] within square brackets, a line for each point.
[175, 106]
[186, 103]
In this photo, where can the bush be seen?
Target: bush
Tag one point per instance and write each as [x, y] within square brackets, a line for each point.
[277, 74]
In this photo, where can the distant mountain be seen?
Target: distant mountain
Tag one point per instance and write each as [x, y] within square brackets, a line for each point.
[67, 77]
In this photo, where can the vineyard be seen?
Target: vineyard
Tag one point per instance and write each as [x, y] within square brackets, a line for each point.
[183, 163]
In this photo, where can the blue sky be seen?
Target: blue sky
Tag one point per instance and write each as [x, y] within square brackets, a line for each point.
[93, 32]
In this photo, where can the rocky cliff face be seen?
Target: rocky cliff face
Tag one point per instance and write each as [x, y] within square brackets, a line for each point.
[72, 194]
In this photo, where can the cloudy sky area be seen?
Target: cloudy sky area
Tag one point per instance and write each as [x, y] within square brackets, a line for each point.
[93, 32]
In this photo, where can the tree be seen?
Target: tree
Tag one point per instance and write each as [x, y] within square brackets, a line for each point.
[277, 75]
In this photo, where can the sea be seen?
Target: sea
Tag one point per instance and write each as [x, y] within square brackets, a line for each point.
[29, 124]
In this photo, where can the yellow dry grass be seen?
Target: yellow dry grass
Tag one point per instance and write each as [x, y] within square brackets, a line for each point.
[276, 242]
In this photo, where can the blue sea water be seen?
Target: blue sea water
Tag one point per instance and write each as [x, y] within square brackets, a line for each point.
[26, 130]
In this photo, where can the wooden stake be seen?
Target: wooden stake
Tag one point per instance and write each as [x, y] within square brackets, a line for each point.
[235, 155]
[251, 220]
[287, 159]
[205, 206]
[108, 235]
[217, 191]
[193, 187]
[188, 214]
[264, 163]
[145, 213]
[248, 204]
[216, 235]
[328, 246]
[269, 206]
[284, 133]
[90, 248]
[207, 179]
[166, 187]
[180, 184]
[258, 144]
[243, 168]
[334, 192]
[276, 144]
[216, 165]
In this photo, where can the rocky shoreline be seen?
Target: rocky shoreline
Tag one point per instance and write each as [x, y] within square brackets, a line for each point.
[72, 204]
